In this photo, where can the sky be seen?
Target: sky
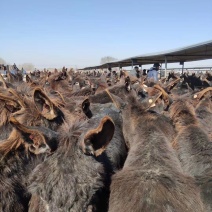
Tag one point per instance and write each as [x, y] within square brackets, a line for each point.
[78, 33]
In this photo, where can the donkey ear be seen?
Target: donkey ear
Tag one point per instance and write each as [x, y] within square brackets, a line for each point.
[10, 103]
[166, 98]
[151, 101]
[3, 82]
[34, 140]
[28, 79]
[171, 85]
[199, 95]
[86, 108]
[58, 78]
[44, 105]
[96, 140]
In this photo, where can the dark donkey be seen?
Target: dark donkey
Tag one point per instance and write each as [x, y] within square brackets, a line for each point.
[152, 178]
[193, 147]
[73, 177]
[203, 109]
[194, 82]
[19, 154]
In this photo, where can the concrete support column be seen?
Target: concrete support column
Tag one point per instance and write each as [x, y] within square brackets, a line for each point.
[182, 63]
[161, 69]
[165, 66]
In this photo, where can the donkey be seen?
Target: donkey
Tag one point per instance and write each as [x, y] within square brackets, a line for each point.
[105, 96]
[171, 76]
[204, 109]
[152, 178]
[194, 82]
[73, 178]
[19, 154]
[41, 110]
[193, 147]
[117, 149]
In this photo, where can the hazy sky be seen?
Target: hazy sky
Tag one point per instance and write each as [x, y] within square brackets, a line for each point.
[81, 32]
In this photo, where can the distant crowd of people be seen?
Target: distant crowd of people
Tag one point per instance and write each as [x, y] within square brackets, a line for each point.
[152, 73]
[13, 69]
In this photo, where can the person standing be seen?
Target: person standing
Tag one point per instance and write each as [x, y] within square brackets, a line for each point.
[153, 72]
[138, 74]
[144, 72]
